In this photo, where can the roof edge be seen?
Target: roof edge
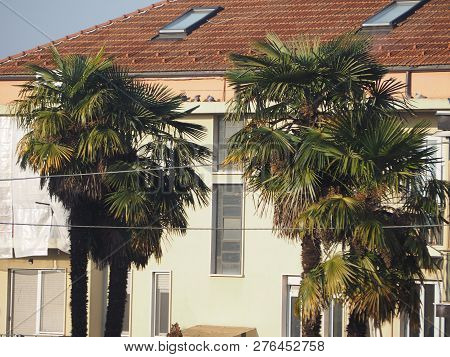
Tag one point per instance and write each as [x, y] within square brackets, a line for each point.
[221, 73]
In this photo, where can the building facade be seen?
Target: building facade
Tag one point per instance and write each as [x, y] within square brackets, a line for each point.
[230, 274]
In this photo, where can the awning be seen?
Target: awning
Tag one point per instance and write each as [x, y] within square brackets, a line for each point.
[219, 331]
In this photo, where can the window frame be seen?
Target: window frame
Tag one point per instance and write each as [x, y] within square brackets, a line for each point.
[438, 322]
[214, 201]
[396, 20]
[329, 319]
[217, 167]
[439, 171]
[165, 33]
[290, 289]
[38, 313]
[293, 291]
[153, 304]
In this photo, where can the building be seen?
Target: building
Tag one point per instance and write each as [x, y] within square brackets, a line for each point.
[246, 288]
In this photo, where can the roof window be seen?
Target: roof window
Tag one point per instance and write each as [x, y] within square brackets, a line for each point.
[392, 14]
[188, 22]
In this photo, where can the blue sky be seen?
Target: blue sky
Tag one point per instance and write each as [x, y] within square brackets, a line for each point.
[25, 24]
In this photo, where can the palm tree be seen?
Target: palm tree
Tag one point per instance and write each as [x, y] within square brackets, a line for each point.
[283, 90]
[87, 115]
[382, 205]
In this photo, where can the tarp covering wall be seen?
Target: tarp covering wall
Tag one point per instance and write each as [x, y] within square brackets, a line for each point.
[24, 204]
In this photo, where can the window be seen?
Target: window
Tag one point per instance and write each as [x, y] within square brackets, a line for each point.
[37, 305]
[223, 131]
[393, 14]
[227, 232]
[333, 319]
[127, 315]
[161, 303]
[293, 323]
[430, 325]
[188, 22]
[436, 238]
[438, 167]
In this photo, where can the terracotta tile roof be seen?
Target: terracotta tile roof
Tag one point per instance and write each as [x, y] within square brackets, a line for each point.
[421, 39]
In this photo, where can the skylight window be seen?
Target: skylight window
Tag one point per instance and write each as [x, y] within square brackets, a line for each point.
[188, 22]
[393, 14]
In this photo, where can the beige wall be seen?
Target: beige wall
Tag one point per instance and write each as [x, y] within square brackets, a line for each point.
[429, 84]
[214, 86]
[9, 91]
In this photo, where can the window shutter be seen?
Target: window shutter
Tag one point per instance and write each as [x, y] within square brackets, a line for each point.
[24, 302]
[163, 282]
[53, 284]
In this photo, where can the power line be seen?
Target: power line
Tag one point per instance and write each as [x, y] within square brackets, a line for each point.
[201, 228]
[102, 173]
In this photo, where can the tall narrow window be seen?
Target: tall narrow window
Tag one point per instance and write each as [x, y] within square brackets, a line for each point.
[127, 314]
[227, 232]
[37, 305]
[161, 303]
[333, 319]
[436, 171]
[224, 130]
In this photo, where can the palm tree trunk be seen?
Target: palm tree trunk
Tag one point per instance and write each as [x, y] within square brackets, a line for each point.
[311, 254]
[357, 326]
[78, 276]
[117, 297]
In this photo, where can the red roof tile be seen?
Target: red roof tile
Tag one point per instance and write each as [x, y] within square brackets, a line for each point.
[421, 39]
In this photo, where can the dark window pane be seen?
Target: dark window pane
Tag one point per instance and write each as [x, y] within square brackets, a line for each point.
[164, 321]
[429, 311]
[337, 319]
[295, 321]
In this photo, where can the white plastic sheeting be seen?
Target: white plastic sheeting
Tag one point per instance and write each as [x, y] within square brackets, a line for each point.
[26, 205]
[6, 163]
